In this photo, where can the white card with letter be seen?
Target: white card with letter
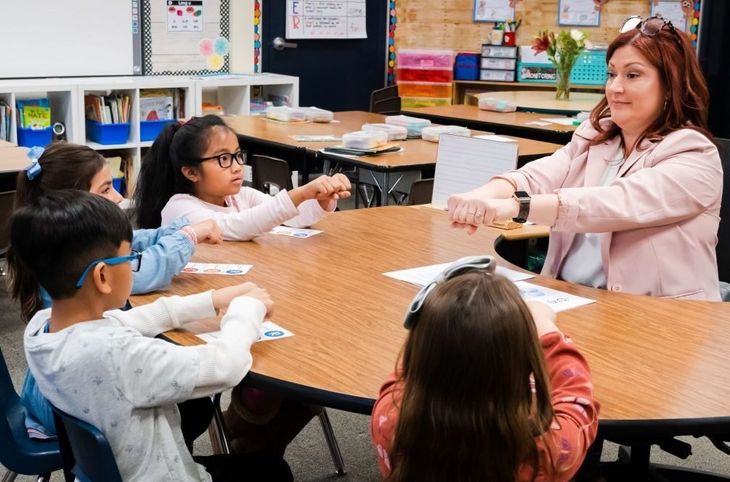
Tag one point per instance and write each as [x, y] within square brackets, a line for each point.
[270, 331]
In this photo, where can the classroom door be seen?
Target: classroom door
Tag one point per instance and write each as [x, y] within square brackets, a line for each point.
[333, 74]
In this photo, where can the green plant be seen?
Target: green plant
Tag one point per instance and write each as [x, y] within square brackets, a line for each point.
[562, 50]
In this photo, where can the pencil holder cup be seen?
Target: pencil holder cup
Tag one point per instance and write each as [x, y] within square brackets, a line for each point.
[509, 38]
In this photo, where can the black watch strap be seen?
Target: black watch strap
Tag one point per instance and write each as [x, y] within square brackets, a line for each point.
[523, 198]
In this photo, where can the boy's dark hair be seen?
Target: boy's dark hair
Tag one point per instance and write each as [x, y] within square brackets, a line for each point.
[160, 177]
[55, 237]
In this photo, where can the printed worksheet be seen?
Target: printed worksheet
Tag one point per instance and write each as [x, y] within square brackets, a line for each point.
[425, 274]
[271, 331]
[295, 232]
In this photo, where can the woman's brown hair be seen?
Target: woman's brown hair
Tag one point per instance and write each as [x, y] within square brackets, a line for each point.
[468, 411]
[63, 166]
[671, 53]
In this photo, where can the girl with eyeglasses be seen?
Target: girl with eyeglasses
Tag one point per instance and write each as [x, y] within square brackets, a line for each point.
[195, 170]
[162, 254]
[486, 388]
[633, 201]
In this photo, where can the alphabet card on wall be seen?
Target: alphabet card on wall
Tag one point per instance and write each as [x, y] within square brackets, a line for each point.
[186, 37]
[336, 19]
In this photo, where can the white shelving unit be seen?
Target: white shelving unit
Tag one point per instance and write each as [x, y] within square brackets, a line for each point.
[66, 98]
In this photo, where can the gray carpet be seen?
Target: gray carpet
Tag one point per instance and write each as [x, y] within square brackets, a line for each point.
[308, 455]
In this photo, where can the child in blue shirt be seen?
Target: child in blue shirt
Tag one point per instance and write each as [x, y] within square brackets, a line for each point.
[166, 250]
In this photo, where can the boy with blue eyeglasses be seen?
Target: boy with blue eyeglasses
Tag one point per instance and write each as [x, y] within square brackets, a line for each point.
[103, 365]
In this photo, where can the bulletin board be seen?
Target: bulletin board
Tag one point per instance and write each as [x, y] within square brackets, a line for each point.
[186, 37]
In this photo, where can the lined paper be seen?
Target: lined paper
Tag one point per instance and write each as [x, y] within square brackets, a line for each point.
[465, 163]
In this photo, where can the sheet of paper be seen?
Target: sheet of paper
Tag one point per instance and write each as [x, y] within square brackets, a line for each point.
[493, 11]
[425, 274]
[465, 163]
[537, 123]
[315, 138]
[672, 11]
[557, 300]
[217, 268]
[295, 232]
[271, 331]
[334, 19]
[565, 121]
[579, 13]
[495, 137]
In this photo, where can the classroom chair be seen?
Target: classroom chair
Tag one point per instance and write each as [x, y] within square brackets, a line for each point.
[421, 192]
[19, 453]
[723, 233]
[270, 175]
[85, 451]
[385, 101]
[6, 209]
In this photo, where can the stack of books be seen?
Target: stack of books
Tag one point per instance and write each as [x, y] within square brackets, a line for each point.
[34, 114]
[108, 109]
[161, 104]
[5, 123]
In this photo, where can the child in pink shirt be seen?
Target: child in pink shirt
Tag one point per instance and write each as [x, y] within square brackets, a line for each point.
[195, 170]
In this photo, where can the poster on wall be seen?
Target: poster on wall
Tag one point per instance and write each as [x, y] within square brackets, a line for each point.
[579, 13]
[493, 11]
[325, 19]
[184, 15]
[181, 37]
[672, 11]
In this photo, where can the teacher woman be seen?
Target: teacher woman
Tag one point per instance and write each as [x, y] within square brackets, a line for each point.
[633, 200]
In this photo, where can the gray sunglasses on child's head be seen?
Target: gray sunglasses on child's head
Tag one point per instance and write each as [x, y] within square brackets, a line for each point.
[484, 263]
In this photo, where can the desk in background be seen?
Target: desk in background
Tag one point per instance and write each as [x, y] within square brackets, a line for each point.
[12, 160]
[659, 365]
[545, 102]
[416, 154]
[467, 88]
[505, 123]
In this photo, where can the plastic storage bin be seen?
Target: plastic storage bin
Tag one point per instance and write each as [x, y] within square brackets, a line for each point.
[432, 133]
[365, 139]
[590, 68]
[500, 63]
[424, 75]
[424, 89]
[395, 133]
[497, 75]
[107, 133]
[149, 130]
[425, 59]
[424, 101]
[414, 124]
[466, 66]
[34, 137]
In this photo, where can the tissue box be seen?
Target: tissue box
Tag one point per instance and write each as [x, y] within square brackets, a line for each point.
[364, 139]
[413, 124]
[432, 133]
[395, 133]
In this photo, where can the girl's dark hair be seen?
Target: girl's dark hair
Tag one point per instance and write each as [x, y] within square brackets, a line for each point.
[178, 146]
[671, 53]
[468, 412]
[54, 237]
[63, 166]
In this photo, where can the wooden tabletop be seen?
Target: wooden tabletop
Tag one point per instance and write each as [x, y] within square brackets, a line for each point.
[6, 144]
[474, 113]
[415, 152]
[651, 358]
[546, 102]
[13, 159]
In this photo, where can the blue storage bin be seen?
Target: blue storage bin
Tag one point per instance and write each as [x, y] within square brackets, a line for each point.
[118, 185]
[149, 130]
[466, 67]
[34, 137]
[107, 133]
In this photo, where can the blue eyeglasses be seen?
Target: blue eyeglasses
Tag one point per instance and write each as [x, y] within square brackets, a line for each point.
[135, 258]
[484, 263]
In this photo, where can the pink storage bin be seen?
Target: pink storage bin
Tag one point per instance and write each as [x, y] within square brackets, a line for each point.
[425, 59]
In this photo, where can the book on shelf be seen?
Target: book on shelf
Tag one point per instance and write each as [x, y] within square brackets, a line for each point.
[161, 104]
[108, 109]
[6, 113]
[33, 113]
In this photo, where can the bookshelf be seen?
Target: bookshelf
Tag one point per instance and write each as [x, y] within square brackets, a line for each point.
[66, 98]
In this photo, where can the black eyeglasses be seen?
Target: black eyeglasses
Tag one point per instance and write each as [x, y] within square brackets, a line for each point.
[226, 159]
[483, 263]
[649, 27]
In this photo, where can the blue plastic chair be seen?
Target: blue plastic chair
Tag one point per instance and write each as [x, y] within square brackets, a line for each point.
[19, 453]
[85, 451]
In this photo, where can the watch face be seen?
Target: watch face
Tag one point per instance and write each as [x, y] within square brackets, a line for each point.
[521, 195]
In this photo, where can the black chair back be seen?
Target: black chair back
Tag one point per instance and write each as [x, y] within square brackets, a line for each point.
[84, 450]
[723, 233]
[421, 192]
[385, 100]
[269, 172]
